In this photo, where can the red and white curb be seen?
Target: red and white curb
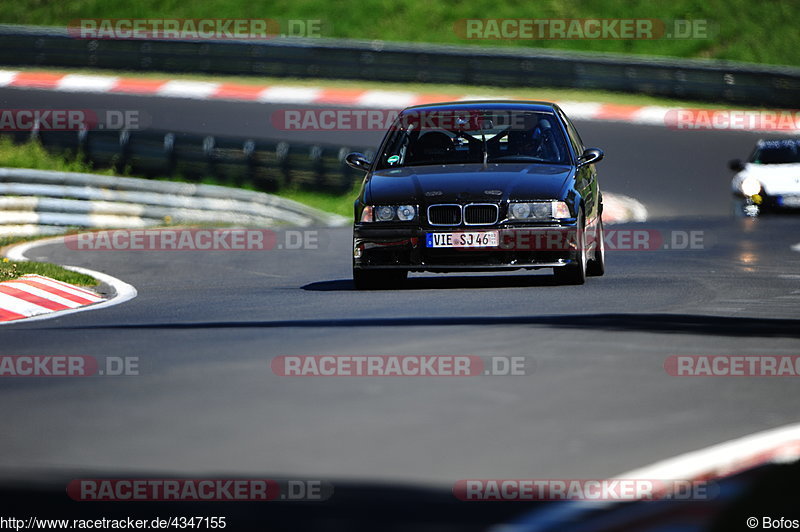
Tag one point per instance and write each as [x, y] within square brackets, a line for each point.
[34, 297]
[303, 95]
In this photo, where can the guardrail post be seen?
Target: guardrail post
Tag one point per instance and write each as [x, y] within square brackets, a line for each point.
[169, 153]
[91, 52]
[249, 152]
[35, 137]
[144, 55]
[282, 158]
[121, 161]
[82, 153]
[208, 150]
[317, 165]
[347, 173]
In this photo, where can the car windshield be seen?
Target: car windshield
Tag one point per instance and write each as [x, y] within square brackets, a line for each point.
[469, 136]
[777, 152]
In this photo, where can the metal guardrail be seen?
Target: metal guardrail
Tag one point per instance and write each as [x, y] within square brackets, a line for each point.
[46, 202]
[741, 83]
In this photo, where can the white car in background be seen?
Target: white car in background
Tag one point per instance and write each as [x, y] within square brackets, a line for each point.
[770, 179]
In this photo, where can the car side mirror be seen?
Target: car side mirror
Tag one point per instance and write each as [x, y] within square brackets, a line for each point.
[736, 165]
[591, 156]
[358, 161]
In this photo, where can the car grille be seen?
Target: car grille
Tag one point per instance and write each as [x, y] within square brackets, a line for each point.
[444, 214]
[471, 214]
[480, 214]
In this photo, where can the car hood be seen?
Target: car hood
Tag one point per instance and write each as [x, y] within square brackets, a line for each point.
[776, 179]
[468, 183]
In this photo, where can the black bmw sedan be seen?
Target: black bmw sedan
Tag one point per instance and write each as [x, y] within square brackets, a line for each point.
[478, 186]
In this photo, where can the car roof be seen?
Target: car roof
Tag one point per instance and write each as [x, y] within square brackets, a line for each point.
[501, 105]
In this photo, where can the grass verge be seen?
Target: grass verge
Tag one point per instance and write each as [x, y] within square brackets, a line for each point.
[11, 270]
[34, 155]
[341, 204]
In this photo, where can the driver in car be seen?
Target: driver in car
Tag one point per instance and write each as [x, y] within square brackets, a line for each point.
[536, 139]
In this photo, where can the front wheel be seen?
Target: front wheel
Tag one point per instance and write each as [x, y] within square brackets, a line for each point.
[597, 265]
[744, 208]
[575, 273]
[379, 279]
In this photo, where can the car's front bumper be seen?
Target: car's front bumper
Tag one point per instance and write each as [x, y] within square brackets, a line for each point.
[765, 203]
[519, 247]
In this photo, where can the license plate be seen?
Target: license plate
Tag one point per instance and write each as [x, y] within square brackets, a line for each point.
[467, 239]
[791, 201]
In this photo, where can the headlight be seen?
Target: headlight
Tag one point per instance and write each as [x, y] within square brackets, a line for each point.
[540, 210]
[750, 186]
[384, 213]
[388, 213]
[520, 210]
[406, 212]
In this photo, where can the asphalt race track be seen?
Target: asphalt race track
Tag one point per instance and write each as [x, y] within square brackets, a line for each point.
[598, 402]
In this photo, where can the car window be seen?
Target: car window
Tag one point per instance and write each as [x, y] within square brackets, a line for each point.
[777, 152]
[472, 136]
[573, 134]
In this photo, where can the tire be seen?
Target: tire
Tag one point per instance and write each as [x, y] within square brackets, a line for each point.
[739, 208]
[379, 279]
[597, 264]
[575, 274]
